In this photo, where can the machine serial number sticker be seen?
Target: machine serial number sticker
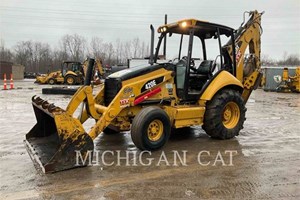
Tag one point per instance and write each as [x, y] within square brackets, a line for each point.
[124, 103]
[150, 84]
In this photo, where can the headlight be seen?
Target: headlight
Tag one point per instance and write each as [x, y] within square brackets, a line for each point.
[183, 24]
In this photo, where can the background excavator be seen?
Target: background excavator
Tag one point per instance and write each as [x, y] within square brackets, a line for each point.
[151, 100]
[71, 73]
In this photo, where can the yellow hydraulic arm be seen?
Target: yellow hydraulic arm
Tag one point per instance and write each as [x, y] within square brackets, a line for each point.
[248, 37]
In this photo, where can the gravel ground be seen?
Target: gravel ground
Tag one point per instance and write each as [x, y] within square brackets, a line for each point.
[265, 162]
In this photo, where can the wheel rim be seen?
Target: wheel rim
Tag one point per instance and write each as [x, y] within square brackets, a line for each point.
[231, 115]
[70, 80]
[51, 81]
[155, 130]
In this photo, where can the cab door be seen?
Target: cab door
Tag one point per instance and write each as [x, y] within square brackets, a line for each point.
[182, 69]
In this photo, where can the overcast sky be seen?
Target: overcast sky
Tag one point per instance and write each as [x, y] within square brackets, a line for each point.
[48, 20]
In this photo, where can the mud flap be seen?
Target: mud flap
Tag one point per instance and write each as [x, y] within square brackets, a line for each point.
[53, 142]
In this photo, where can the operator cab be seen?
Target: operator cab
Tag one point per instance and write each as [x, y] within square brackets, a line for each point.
[199, 54]
[71, 66]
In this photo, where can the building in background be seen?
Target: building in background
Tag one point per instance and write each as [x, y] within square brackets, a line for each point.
[18, 71]
[10, 68]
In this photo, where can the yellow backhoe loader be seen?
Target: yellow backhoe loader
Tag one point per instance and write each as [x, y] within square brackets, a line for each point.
[50, 78]
[289, 83]
[150, 100]
[71, 73]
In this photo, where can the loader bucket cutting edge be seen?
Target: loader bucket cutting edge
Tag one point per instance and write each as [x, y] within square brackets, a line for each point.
[53, 141]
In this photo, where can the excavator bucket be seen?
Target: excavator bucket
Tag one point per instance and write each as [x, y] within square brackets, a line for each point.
[57, 138]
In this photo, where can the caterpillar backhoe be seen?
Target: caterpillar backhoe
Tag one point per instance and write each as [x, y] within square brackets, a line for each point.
[151, 100]
[71, 73]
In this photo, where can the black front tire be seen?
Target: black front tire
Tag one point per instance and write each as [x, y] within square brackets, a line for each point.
[141, 125]
[70, 80]
[51, 81]
[214, 122]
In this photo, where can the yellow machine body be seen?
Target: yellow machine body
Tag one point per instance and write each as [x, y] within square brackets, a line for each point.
[44, 79]
[289, 83]
[149, 100]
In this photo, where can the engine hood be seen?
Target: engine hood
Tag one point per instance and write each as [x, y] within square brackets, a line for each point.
[134, 72]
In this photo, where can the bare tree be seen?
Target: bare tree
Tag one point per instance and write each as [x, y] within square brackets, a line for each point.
[119, 52]
[97, 48]
[5, 54]
[74, 46]
[45, 57]
[144, 50]
[135, 47]
[35, 56]
[23, 54]
[127, 50]
[110, 53]
[290, 59]
[266, 60]
[58, 56]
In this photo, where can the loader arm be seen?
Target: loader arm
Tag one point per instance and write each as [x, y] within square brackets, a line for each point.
[247, 36]
[83, 94]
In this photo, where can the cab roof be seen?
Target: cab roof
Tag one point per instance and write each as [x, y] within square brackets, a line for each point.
[202, 28]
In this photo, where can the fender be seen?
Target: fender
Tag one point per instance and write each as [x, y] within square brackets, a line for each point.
[70, 73]
[223, 79]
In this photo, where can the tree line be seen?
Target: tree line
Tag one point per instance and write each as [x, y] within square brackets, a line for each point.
[41, 57]
[286, 60]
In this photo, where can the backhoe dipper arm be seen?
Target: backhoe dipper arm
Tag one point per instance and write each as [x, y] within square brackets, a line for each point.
[248, 36]
[85, 95]
[99, 66]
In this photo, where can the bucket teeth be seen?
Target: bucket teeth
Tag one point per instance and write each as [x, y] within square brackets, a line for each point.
[37, 100]
[45, 104]
[52, 108]
[33, 98]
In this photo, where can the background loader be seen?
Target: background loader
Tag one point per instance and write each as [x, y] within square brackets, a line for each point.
[71, 73]
[289, 83]
[150, 100]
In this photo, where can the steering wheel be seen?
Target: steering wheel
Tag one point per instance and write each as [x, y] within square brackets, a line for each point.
[192, 63]
[174, 60]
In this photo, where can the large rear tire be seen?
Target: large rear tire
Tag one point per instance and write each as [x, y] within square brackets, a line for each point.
[70, 80]
[150, 128]
[225, 115]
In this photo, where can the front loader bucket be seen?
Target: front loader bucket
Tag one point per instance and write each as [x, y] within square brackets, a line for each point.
[57, 139]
